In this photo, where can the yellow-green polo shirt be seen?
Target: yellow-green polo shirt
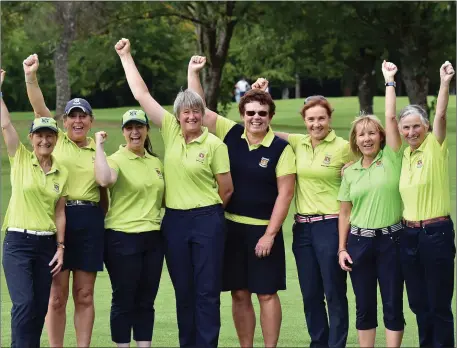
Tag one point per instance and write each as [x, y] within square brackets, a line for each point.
[34, 194]
[373, 191]
[136, 197]
[319, 172]
[285, 166]
[424, 181]
[190, 169]
[80, 164]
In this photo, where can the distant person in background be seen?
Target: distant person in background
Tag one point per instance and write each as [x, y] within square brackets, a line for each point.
[428, 241]
[370, 221]
[134, 248]
[84, 211]
[33, 248]
[263, 171]
[241, 87]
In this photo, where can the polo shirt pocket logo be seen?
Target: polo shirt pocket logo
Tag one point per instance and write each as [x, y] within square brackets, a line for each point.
[326, 160]
[419, 163]
[378, 163]
[56, 187]
[264, 162]
[201, 157]
[159, 173]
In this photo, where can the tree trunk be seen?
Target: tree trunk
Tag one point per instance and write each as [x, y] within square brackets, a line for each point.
[285, 93]
[367, 81]
[416, 81]
[297, 86]
[66, 12]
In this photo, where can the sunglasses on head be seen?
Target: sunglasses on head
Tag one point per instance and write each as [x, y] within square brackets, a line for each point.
[260, 113]
[314, 97]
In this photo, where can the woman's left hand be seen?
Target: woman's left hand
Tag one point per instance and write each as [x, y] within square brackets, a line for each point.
[58, 260]
[264, 245]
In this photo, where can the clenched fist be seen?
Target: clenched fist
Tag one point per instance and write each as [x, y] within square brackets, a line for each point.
[446, 72]
[261, 84]
[122, 47]
[2, 76]
[100, 137]
[196, 63]
[389, 70]
[30, 64]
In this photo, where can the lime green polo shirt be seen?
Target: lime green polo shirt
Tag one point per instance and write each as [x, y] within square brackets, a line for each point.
[136, 197]
[319, 172]
[190, 169]
[34, 194]
[285, 166]
[80, 164]
[373, 191]
[424, 181]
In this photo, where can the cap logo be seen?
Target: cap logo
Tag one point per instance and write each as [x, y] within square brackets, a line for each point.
[264, 162]
[44, 120]
[76, 101]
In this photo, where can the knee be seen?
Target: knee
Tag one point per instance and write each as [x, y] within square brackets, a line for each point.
[241, 296]
[84, 297]
[267, 297]
[58, 301]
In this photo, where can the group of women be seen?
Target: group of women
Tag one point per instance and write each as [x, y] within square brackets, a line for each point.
[226, 188]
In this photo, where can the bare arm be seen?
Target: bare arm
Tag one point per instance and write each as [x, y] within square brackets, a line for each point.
[9, 132]
[393, 139]
[34, 93]
[136, 83]
[224, 181]
[282, 135]
[439, 124]
[197, 63]
[286, 186]
[343, 231]
[60, 226]
[104, 175]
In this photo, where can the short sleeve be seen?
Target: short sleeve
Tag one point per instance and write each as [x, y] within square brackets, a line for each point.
[169, 127]
[113, 164]
[344, 193]
[286, 164]
[21, 152]
[65, 189]
[220, 162]
[347, 155]
[223, 126]
[294, 140]
[394, 156]
[443, 147]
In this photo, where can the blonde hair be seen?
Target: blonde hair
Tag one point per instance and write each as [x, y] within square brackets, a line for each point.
[365, 120]
[188, 99]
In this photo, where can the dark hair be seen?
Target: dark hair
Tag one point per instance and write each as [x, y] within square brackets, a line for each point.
[312, 102]
[147, 141]
[256, 95]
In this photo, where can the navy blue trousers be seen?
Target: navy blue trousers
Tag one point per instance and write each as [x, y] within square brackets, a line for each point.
[377, 259]
[315, 246]
[134, 263]
[428, 265]
[194, 253]
[28, 277]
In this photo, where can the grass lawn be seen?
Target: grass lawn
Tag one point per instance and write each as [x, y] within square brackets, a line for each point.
[293, 332]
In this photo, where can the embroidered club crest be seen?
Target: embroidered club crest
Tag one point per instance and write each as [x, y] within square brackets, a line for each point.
[159, 173]
[56, 187]
[264, 162]
[419, 163]
[378, 163]
[326, 160]
[201, 157]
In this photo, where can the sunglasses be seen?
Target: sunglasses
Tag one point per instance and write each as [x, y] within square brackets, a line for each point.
[260, 113]
[314, 97]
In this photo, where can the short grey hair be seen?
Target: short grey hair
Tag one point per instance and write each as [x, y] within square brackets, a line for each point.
[188, 99]
[414, 109]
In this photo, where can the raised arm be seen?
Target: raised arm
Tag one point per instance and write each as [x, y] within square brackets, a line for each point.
[9, 133]
[393, 139]
[34, 93]
[104, 175]
[139, 89]
[196, 64]
[439, 124]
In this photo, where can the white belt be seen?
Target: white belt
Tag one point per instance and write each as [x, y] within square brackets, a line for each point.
[37, 233]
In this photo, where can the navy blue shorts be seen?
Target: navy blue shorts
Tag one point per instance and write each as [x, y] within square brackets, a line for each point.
[244, 270]
[84, 238]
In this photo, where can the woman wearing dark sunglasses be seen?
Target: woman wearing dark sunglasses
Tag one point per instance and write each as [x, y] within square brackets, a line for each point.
[320, 156]
[263, 173]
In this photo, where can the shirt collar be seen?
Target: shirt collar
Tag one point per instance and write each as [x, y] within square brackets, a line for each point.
[200, 139]
[130, 155]
[54, 167]
[267, 139]
[328, 139]
[358, 165]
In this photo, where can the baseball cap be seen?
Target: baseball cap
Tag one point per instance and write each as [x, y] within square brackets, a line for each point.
[42, 123]
[135, 115]
[78, 103]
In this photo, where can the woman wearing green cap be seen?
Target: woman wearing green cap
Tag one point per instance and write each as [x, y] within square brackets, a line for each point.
[34, 223]
[133, 241]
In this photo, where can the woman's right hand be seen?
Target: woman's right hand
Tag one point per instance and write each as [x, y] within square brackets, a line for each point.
[30, 64]
[100, 137]
[261, 84]
[2, 76]
[122, 47]
[388, 70]
[343, 256]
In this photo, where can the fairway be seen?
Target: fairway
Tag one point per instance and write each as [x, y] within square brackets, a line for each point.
[293, 331]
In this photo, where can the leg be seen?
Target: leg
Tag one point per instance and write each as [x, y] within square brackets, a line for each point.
[179, 262]
[364, 283]
[311, 285]
[270, 318]
[413, 272]
[18, 258]
[208, 239]
[325, 241]
[437, 249]
[152, 264]
[243, 317]
[83, 296]
[56, 317]
[391, 287]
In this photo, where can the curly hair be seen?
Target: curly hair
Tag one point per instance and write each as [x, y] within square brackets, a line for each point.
[256, 95]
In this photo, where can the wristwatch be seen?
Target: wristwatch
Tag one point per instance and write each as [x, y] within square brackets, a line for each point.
[391, 84]
[60, 245]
